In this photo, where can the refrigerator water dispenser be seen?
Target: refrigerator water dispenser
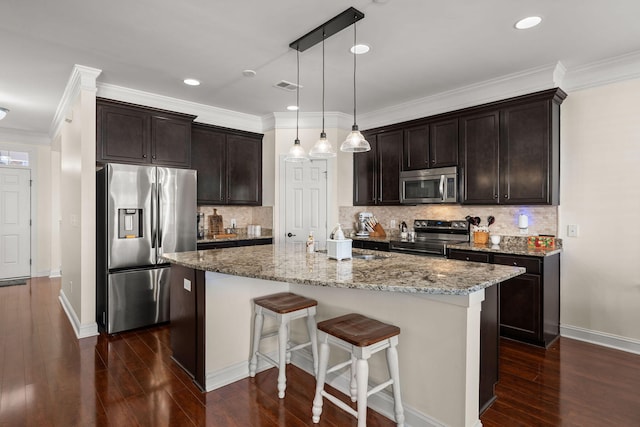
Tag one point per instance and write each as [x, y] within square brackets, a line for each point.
[129, 223]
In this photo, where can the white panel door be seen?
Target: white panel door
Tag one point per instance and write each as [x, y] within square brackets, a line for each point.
[306, 200]
[15, 223]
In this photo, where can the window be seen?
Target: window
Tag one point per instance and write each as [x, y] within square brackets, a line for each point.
[14, 158]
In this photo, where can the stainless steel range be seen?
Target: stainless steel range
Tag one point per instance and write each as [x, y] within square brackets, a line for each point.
[432, 237]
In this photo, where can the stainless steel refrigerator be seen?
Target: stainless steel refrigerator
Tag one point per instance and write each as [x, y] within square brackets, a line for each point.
[141, 213]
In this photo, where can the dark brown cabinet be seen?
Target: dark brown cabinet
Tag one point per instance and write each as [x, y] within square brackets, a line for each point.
[377, 172]
[479, 147]
[431, 145]
[127, 133]
[187, 314]
[229, 165]
[201, 246]
[529, 303]
[373, 245]
[510, 151]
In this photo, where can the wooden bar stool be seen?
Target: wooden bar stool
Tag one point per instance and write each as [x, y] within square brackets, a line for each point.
[361, 337]
[284, 307]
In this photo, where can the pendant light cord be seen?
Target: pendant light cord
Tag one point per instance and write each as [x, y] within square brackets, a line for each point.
[323, 36]
[297, 92]
[354, 74]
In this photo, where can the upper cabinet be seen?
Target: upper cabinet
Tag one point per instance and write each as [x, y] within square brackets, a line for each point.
[431, 145]
[229, 165]
[510, 151]
[376, 173]
[127, 133]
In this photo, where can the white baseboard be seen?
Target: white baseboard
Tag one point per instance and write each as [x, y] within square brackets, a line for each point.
[381, 402]
[82, 331]
[216, 379]
[55, 273]
[601, 338]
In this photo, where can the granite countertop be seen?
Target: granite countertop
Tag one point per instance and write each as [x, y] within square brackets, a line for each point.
[510, 246]
[392, 272]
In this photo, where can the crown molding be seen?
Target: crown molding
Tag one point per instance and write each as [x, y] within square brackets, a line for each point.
[504, 87]
[205, 113]
[19, 136]
[608, 71]
[82, 78]
[307, 120]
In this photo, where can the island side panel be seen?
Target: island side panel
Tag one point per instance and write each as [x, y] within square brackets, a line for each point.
[229, 326]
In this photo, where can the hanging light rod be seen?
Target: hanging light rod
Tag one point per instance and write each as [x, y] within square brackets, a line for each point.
[326, 30]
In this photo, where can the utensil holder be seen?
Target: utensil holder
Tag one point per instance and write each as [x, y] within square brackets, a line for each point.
[480, 237]
[378, 231]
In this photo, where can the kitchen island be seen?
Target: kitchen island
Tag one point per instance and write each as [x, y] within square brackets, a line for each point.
[436, 302]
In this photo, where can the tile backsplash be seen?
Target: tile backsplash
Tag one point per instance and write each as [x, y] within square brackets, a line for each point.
[244, 215]
[542, 219]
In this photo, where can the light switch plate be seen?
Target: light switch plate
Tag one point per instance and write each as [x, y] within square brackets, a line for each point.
[572, 230]
[187, 284]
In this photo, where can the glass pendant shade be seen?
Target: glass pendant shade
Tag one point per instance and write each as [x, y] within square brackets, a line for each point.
[296, 153]
[322, 148]
[355, 142]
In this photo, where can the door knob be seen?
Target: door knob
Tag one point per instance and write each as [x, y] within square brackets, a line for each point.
[290, 235]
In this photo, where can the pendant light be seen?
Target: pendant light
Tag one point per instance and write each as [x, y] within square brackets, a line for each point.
[355, 142]
[322, 148]
[296, 152]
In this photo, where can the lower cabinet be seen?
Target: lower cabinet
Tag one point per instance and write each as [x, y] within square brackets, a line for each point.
[187, 308]
[234, 243]
[529, 303]
[370, 245]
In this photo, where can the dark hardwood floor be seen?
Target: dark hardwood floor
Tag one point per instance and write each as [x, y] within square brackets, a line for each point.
[49, 378]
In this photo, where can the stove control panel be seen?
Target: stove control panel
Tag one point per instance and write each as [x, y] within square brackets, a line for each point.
[440, 225]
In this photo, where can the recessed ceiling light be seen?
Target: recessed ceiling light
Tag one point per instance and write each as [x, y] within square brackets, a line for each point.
[3, 112]
[360, 49]
[528, 22]
[192, 82]
[249, 73]
[292, 107]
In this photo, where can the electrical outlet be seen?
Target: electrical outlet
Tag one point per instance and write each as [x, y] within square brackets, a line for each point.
[71, 286]
[392, 223]
[572, 230]
[233, 223]
[187, 284]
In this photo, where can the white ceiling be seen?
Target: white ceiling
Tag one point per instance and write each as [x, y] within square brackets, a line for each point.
[418, 48]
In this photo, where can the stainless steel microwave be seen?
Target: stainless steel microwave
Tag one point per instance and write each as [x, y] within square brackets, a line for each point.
[438, 185]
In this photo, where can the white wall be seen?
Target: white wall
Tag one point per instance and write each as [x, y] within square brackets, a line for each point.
[600, 192]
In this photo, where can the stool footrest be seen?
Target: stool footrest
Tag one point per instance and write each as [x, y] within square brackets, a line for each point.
[267, 358]
[340, 403]
[379, 387]
[300, 346]
[338, 366]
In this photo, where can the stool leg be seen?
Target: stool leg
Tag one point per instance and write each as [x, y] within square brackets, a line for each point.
[362, 377]
[353, 386]
[313, 337]
[255, 346]
[392, 361]
[282, 357]
[288, 344]
[322, 372]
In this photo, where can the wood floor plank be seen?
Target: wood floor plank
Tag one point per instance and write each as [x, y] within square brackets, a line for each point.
[50, 378]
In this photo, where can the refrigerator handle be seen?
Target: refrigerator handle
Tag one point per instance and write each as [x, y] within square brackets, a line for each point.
[160, 207]
[154, 222]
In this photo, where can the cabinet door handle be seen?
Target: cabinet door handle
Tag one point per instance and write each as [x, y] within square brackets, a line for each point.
[467, 258]
[515, 263]
[433, 161]
[495, 196]
[506, 196]
[154, 157]
[144, 156]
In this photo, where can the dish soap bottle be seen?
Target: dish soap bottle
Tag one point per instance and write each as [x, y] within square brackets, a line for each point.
[310, 243]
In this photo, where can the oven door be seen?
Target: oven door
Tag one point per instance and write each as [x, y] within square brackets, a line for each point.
[429, 186]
